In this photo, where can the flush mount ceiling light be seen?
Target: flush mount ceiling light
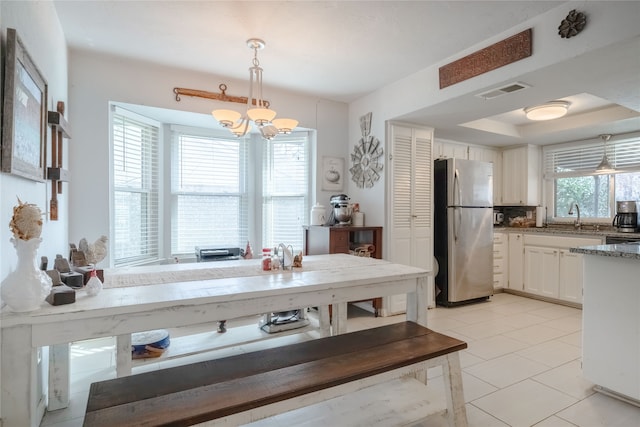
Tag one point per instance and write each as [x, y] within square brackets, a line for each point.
[548, 111]
[257, 110]
[604, 165]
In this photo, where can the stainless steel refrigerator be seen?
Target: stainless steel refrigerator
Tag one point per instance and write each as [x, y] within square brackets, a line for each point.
[463, 230]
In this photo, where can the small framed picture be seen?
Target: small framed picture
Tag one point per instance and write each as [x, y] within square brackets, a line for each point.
[25, 113]
[332, 173]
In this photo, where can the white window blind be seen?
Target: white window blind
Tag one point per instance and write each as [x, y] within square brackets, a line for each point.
[135, 189]
[285, 188]
[209, 196]
[582, 158]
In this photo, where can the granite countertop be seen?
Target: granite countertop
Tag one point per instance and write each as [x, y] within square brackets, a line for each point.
[620, 250]
[590, 230]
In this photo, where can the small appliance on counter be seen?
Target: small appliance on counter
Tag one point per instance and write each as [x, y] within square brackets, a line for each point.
[340, 210]
[498, 218]
[626, 219]
[217, 253]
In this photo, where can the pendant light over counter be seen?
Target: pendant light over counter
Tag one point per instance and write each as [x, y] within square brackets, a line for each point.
[605, 166]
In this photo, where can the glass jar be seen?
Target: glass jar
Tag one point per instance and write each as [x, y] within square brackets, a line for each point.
[266, 259]
[275, 261]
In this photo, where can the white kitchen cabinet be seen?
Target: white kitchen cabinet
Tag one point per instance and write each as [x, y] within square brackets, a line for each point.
[520, 176]
[550, 270]
[448, 150]
[500, 260]
[516, 261]
[409, 225]
[570, 275]
[541, 271]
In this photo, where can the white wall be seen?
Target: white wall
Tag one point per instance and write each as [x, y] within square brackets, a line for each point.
[39, 29]
[95, 80]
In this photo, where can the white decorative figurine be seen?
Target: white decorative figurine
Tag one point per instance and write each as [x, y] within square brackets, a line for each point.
[94, 285]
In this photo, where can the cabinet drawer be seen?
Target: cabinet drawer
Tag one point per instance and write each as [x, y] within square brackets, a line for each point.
[498, 265]
[498, 280]
[339, 241]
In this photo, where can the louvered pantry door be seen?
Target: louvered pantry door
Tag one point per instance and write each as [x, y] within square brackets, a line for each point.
[409, 191]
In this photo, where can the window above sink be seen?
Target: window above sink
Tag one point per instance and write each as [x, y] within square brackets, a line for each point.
[570, 177]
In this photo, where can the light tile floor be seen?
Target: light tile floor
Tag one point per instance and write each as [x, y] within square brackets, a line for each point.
[521, 367]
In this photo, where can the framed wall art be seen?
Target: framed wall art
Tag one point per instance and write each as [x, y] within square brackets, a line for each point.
[24, 120]
[332, 173]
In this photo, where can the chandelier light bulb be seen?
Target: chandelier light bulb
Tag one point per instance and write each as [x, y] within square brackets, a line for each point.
[227, 118]
[241, 128]
[285, 126]
[261, 116]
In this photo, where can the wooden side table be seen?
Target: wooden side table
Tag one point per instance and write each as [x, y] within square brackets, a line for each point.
[343, 239]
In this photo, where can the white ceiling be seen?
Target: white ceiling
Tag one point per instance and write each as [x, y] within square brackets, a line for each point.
[342, 50]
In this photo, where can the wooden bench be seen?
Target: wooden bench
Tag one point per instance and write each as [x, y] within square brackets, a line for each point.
[251, 386]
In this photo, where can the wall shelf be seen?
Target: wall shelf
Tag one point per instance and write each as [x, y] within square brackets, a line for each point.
[60, 129]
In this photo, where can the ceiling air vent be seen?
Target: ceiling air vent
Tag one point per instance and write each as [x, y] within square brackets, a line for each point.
[511, 87]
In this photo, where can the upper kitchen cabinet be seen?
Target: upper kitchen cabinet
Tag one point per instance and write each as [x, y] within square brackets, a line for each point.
[449, 150]
[520, 176]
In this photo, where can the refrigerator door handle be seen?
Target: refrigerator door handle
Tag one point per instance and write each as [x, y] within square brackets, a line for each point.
[458, 211]
[456, 186]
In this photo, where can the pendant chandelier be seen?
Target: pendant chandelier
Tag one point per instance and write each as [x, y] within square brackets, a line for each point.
[258, 110]
[604, 165]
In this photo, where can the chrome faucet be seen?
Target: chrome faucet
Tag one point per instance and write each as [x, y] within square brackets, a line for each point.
[577, 224]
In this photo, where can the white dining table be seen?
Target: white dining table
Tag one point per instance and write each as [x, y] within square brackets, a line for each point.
[145, 298]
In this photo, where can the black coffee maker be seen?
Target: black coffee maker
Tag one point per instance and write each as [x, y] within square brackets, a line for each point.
[626, 219]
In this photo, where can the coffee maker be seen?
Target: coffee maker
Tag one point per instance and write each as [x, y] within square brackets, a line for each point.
[626, 219]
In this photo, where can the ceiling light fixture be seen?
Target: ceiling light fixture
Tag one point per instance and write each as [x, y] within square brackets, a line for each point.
[257, 108]
[604, 165]
[548, 111]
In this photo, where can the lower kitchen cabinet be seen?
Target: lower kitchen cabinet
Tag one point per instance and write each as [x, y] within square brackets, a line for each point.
[516, 262]
[500, 260]
[541, 271]
[570, 274]
[550, 270]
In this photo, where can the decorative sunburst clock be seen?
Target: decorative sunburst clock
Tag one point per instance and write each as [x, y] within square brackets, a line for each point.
[366, 157]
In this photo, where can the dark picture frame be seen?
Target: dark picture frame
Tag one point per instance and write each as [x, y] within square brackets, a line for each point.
[24, 118]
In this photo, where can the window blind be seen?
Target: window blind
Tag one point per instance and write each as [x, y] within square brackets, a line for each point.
[582, 158]
[135, 189]
[285, 188]
[209, 196]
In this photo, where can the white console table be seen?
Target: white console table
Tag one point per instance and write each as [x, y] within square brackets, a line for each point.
[118, 311]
